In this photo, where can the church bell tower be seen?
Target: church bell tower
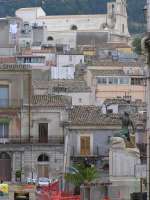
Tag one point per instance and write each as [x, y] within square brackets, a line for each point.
[118, 18]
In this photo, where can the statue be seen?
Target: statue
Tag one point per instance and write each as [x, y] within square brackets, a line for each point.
[126, 122]
[125, 132]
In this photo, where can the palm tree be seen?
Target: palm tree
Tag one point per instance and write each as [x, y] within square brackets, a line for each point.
[81, 175]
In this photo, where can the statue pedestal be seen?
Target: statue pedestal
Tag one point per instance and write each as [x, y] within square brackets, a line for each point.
[122, 163]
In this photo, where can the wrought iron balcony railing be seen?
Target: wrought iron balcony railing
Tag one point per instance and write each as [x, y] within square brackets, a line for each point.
[53, 140]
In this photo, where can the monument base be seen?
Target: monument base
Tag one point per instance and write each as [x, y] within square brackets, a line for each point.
[122, 165]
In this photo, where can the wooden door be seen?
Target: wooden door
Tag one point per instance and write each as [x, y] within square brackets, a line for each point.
[43, 170]
[5, 167]
[85, 145]
[43, 132]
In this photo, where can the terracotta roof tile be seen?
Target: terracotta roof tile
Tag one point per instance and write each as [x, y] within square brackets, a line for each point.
[108, 63]
[91, 115]
[14, 67]
[7, 59]
[107, 72]
[53, 100]
[69, 85]
[122, 101]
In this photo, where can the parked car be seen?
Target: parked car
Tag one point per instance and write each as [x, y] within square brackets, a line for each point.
[31, 180]
[43, 181]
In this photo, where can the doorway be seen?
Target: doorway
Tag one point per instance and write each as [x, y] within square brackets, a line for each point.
[43, 166]
[5, 166]
[43, 133]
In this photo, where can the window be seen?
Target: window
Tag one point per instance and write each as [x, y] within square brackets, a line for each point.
[115, 80]
[59, 89]
[50, 38]
[43, 132]
[137, 81]
[122, 28]
[124, 81]
[110, 80]
[74, 27]
[109, 111]
[4, 129]
[102, 80]
[85, 145]
[43, 158]
[4, 95]
[27, 60]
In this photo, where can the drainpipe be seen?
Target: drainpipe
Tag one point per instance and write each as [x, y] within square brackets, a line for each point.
[29, 104]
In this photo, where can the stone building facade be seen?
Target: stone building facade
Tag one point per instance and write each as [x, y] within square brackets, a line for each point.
[31, 127]
[69, 29]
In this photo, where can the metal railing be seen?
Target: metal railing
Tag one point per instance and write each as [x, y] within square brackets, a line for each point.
[56, 140]
[97, 152]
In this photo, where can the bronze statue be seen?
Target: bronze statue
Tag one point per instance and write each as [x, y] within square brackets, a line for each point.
[126, 122]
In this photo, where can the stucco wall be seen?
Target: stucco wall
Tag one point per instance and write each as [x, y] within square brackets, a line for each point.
[63, 60]
[100, 140]
[109, 91]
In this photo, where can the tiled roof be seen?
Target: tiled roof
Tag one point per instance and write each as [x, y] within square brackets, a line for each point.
[114, 45]
[107, 72]
[122, 101]
[53, 100]
[37, 51]
[7, 59]
[70, 85]
[109, 63]
[91, 115]
[14, 67]
[115, 101]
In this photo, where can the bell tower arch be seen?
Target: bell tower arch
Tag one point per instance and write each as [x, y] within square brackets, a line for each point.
[118, 18]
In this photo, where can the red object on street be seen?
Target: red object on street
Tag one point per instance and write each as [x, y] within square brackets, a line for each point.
[52, 192]
[54, 186]
[106, 198]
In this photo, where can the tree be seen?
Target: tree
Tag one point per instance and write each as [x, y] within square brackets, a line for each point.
[137, 45]
[81, 175]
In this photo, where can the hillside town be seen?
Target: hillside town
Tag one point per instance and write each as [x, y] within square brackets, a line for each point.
[73, 93]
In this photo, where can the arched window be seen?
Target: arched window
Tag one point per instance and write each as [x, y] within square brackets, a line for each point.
[74, 28]
[50, 38]
[43, 158]
[5, 156]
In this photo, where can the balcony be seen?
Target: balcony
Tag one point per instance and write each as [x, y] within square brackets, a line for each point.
[52, 140]
[98, 154]
[10, 103]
